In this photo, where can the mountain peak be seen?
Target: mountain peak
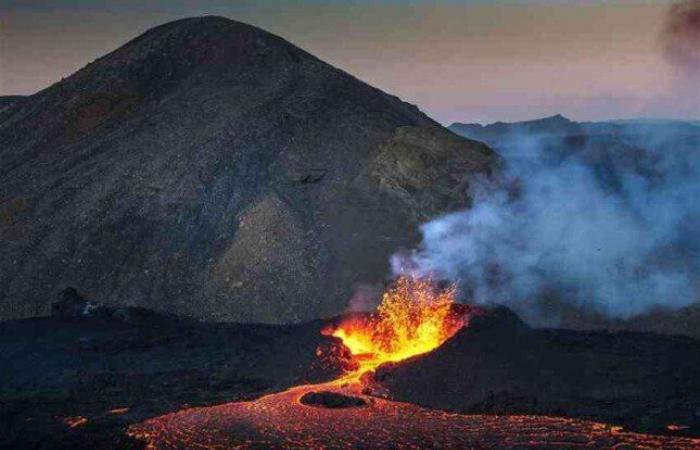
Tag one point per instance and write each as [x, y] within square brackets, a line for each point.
[555, 118]
[160, 166]
[193, 26]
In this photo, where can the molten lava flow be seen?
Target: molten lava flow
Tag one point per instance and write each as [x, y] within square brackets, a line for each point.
[414, 317]
[281, 421]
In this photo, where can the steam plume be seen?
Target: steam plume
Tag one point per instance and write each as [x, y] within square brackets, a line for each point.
[602, 224]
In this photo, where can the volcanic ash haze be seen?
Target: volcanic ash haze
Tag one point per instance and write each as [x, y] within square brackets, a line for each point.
[212, 169]
[601, 217]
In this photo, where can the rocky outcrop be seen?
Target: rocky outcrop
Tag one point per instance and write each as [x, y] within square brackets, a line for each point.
[77, 381]
[6, 101]
[327, 399]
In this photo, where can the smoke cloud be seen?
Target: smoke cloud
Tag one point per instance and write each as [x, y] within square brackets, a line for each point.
[365, 297]
[681, 35]
[605, 219]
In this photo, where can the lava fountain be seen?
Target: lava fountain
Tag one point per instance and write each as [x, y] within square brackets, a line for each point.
[414, 317]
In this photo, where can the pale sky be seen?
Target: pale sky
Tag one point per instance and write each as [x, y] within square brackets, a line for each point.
[470, 61]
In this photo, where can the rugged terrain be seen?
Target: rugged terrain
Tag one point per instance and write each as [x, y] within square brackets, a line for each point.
[210, 169]
[499, 365]
[76, 381]
[127, 377]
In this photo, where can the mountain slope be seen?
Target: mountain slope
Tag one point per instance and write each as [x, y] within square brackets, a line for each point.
[212, 169]
[7, 101]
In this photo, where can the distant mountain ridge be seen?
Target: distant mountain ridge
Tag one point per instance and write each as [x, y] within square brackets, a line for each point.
[554, 124]
[498, 132]
[211, 169]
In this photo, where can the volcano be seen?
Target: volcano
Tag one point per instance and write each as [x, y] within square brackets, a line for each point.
[474, 361]
[211, 169]
[481, 378]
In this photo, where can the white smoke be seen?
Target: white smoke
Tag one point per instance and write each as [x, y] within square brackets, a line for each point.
[607, 225]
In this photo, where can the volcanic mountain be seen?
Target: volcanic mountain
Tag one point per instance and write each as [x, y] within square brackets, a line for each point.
[209, 168]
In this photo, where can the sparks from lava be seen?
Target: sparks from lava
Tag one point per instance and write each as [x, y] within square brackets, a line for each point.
[414, 317]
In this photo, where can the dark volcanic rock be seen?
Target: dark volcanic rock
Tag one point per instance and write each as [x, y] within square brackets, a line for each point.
[71, 304]
[211, 169]
[499, 365]
[112, 373]
[6, 101]
[327, 399]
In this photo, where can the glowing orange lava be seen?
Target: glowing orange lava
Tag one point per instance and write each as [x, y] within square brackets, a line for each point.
[280, 421]
[414, 317]
[75, 421]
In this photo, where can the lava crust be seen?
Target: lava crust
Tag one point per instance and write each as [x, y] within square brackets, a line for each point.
[280, 421]
[328, 399]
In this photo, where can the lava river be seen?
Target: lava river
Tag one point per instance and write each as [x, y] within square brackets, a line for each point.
[281, 421]
[414, 317]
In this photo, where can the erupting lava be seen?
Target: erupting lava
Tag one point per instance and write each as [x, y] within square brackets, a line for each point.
[414, 317]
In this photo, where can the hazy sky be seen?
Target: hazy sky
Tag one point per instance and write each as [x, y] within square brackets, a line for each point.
[474, 61]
